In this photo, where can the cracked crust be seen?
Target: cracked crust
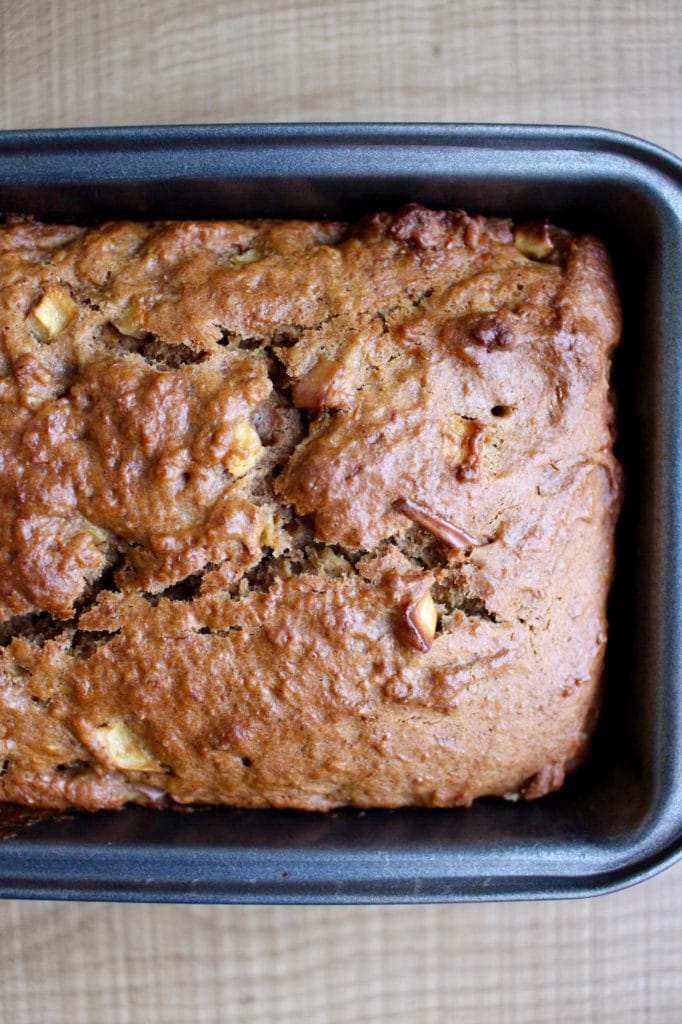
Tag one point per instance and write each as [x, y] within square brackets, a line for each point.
[302, 514]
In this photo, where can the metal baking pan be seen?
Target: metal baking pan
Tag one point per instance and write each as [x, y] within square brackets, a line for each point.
[618, 819]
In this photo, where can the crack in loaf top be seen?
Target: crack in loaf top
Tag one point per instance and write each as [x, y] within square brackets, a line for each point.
[408, 413]
[135, 427]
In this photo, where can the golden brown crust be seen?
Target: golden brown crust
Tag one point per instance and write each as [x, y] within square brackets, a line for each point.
[301, 514]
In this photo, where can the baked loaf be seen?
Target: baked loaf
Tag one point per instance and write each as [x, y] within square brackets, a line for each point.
[302, 514]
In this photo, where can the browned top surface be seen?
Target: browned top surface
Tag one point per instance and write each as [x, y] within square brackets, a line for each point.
[301, 429]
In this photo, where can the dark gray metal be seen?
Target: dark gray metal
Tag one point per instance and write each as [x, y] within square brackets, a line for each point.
[619, 819]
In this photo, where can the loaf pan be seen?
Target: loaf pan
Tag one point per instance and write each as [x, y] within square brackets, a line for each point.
[618, 819]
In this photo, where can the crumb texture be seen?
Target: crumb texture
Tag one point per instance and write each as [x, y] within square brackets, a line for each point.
[302, 514]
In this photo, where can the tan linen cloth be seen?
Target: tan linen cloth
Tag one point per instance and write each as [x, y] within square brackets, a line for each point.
[616, 63]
